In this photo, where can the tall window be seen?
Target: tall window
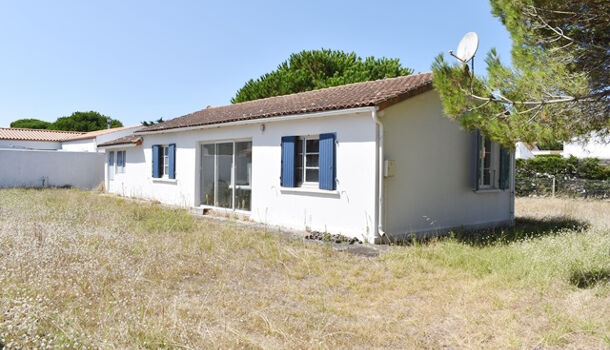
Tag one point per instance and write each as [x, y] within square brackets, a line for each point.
[307, 169]
[165, 165]
[120, 162]
[489, 163]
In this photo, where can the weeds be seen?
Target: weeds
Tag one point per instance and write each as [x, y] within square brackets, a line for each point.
[80, 270]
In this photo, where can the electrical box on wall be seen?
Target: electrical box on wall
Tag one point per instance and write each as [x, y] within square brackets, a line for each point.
[388, 168]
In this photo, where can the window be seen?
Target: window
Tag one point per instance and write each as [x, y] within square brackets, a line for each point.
[492, 164]
[309, 161]
[120, 162]
[164, 161]
[307, 169]
[165, 164]
[111, 166]
[226, 174]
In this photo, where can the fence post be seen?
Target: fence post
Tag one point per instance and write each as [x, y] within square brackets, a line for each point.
[553, 188]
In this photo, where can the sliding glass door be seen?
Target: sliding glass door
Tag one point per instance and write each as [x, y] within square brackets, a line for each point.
[226, 174]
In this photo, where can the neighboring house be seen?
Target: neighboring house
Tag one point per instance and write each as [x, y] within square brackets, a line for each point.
[41, 158]
[72, 141]
[88, 142]
[18, 138]
[595, 147]
[364, 160]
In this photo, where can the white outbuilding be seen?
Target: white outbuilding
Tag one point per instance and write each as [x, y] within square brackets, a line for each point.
[367, 160]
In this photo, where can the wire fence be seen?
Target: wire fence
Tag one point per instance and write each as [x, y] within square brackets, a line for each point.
[562, 187]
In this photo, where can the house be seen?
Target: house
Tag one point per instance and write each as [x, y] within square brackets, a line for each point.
[42, 158]
[58, 140]
[365, 160]
[594, 147]
[87, 142]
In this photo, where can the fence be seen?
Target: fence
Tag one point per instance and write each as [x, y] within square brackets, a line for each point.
[565, 187]
[36, 168]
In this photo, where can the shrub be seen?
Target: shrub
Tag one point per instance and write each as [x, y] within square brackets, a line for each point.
[555, 165]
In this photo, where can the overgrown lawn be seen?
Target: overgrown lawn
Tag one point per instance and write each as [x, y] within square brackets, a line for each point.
[82, 270]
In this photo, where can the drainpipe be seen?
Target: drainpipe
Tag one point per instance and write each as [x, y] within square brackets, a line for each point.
[379, 229]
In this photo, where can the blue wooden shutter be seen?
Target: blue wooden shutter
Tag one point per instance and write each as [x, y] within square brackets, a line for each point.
[172, 161]
[156, 170]
[111, 159]
[476, 159]
[288, 154]
[119, 159]
[327, 161]
[504, 168]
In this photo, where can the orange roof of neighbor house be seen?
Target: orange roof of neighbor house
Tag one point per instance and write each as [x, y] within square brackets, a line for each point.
[381, 93]
[22, 134]
[92, 134]
[125, 140]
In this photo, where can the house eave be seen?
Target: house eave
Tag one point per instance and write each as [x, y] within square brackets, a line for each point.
[338, 112]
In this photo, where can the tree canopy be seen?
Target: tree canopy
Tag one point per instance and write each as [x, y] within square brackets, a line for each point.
[557, 87]
[85, 121]
[31, 123]
[316, 69]
[77, 121]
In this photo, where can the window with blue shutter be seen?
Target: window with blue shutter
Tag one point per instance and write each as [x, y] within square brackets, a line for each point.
[111, 165]
[172, 161]
[504, 168]
[156, 164]
[288, 161]
[327, 161]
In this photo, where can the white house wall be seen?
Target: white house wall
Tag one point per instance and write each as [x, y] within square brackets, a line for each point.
[18, 144]
[349, 210]
[431, 188]
[596, 147]
[86, 145]
[37, 168]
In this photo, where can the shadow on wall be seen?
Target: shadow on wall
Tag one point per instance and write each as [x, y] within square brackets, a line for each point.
[524, 228]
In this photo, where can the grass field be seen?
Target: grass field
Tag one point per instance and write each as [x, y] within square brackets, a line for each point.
[82, 270]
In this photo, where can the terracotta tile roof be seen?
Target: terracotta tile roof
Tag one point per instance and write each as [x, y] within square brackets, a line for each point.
[126, 140]
[92, 134]
[381, 93]
[36, 134]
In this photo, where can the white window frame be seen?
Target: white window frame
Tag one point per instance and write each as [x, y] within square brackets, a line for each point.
[304, 153]
[494, 164]
[164, 161]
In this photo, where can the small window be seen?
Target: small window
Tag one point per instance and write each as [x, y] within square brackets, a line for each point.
[307, 152]
[120, 162]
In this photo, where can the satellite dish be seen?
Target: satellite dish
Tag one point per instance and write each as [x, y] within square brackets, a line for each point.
[468, 47]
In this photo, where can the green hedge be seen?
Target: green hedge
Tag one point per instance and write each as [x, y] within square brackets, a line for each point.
[567, 168]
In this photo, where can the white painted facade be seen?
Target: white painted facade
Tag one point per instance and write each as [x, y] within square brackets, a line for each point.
[428, 192]
[431, 189]
[596, 147]
[21, 144]
[90, 144]
[40, 168]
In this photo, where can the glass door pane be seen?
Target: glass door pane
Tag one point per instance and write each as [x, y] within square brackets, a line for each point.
[207, 174]
[224, 175]
[243, 175]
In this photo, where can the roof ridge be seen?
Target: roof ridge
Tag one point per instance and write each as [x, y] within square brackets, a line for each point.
[321, 89]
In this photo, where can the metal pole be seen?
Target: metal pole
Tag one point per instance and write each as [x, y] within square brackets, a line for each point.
[553, 188]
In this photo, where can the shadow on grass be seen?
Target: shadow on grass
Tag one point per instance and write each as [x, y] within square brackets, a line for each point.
[589, 278]
[524, 228]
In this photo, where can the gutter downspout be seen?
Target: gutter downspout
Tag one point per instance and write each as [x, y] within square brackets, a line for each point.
[379, 233]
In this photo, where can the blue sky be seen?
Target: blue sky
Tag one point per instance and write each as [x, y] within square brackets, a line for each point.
[141, 60]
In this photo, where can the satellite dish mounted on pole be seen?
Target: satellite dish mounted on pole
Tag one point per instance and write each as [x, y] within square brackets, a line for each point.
[466, 50]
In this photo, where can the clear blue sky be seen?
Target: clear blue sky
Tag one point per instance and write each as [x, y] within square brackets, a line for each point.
[141, 60]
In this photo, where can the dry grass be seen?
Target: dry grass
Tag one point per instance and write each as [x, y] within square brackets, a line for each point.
[81, 270]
